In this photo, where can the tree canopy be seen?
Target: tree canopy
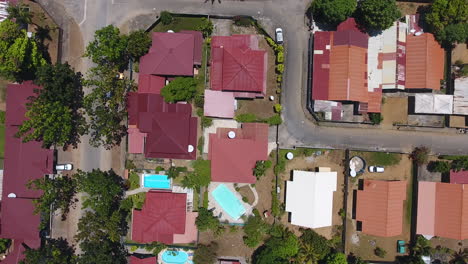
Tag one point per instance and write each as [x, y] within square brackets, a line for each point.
[206, 220]
[106, 106]
[446, 12]
[200, 177]
[313, 247]
[54, 251]
[336, 258]
[108, 48]
[332, 11]
[205, 253]
[139, 43]
[20, 13]
[281, 247]
[55, 115]
[453, 33]
[103, 251]
[180, 89]
[255, 229]
[377, 15]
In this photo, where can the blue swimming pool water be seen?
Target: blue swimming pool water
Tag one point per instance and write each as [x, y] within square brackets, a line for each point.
[174, 257]
[228, 201]
[156, 181]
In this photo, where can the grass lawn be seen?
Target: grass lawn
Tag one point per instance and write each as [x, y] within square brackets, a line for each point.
[134, 180]
[380, 158]
[180, 23]
[2, 144]
[200, 78]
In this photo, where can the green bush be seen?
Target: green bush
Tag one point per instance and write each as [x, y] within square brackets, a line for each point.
[206, 121]
[206, 27]
[271, 42]
[246, 118]
[199, 101]
[275, 120]
[4, 245]
[439, 166]
[205, 199]
[134, 180]
[375, 118]
[133, 248]
[2, 117]
[278, 108]
[280, 68]
[138, 200]
[180, 89]
[279, 48]
[261, 167]
[244, 199]
[174, 172]
[308, 152]
[166, 18]
[280, 57]
[201, 141]
[420, 155]
[279, 78]
[380, 252]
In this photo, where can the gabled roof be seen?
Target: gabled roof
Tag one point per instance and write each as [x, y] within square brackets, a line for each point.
[309, 198]
[171, 54]
[460, 177]
[380, 207]
[233, 160]
[424, 62]
[237, 64]
[321, 66]
[148, 83]
[135, 260]
[443, 210]
[162, 216]
[18, 220]
[198, 44]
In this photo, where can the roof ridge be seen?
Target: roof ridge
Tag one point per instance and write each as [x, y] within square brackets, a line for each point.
[169, 135]
[243, 69]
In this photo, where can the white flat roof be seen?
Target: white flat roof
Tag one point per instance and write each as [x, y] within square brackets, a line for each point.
[309, 198]
[433, 104]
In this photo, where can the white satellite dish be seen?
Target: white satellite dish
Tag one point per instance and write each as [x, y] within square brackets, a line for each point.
[190, 148]
[352, 173]
[289, 155]
[231, 134]
[170, 31]
[11, 195]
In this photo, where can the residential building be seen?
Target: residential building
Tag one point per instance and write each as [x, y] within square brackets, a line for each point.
[379, 207]
[135, 260]
[309, 198]
[442, 210]
[460, 177]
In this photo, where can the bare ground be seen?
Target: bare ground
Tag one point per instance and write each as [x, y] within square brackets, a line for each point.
[460, 52]
[394, 110]
[245, 191]
[229, 243]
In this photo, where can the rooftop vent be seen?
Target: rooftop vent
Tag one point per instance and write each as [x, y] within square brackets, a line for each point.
[231, 134]
[190, 148]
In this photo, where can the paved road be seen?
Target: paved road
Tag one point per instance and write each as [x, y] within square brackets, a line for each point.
[297, 129]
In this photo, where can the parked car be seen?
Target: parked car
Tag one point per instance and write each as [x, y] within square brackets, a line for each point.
[64, 167]
[401, 248]
[279, 35]
[376, 169]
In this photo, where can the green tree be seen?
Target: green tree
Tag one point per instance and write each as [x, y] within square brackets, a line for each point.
[377, 14]
[94, 226]
[207, 221]
[332, 11]
[460, 257]
[57, 193]
[255, 229]
[446, 12]
[19, 13]
[19, 60]
[281, 247]
[166, 18]
[106, 106]
[261, 167]
[5, 244]
[454, 33]
[205, 253]
[200, 177]
[313, 245]
[108, 48]
[9, 32]
[54, 251]
[439, 166]
[103, 251]
[206, 27]
[139, 43]
[180, 89]
[409, 260]
[420, 155]
[422, 247]
[336, 258]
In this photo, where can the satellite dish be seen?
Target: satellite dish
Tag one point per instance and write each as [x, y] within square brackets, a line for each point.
[419, 33]
[11, 195]
[170, 31]
[289, 155]
[231, 134]
[190, 148]
[353, 173]
[272, 98]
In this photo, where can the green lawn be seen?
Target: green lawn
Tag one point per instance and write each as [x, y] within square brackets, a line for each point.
[2, 144]
[134, 179]
[180, 23]
[380, 158]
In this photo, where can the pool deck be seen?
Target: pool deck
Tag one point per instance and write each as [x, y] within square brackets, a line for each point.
[219, 211]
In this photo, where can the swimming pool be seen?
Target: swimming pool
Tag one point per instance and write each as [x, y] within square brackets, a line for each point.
[228, 201]
[174, 257]
[156, 181]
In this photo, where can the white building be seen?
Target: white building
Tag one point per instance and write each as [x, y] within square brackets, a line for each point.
[309, 198]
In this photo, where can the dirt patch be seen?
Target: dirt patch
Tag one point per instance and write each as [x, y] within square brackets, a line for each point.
[76, 47]
[264, 186]
[246, 192]
[460, 52]
[408, 8]
[222, 27]
[363, 245]
[458, 121]
[394, 111]
[229, 243]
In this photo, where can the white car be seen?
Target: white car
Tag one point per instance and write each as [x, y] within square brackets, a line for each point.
[64, 167]
[376, 169]
[279, 35]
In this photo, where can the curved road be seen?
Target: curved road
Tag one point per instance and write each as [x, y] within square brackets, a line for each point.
[297, 129]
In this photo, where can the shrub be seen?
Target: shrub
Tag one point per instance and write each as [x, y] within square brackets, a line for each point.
[201, 141]
[375, 118]
[261, 167]
[159, 168]
[199, 101]
[280, 57]
[271, 42]
[2, 117]
[439, 166]
[420, 155]
[244, 199]
[208, 40]
[308, 152]
[205, 199]
[255, 229]
[206, 27]
[278, 108]
[180, 89]
[134, 180]
[275, 120]
[166, 18]
[138, 200]
[279, 78]
[206, 121]
[4, 245]
[280, 68]
[380, 252]
[279, 48]
[246, 118]
[133, 248]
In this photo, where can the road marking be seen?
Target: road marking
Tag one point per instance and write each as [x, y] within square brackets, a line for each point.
[85, 9]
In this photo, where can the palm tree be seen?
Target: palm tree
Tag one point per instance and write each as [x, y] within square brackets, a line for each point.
[460, 257]
[422, 247]
[20, 13]
[307, 254]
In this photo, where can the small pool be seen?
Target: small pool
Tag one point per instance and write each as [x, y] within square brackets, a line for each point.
[174, 257]
[228, 201]
[156, 181]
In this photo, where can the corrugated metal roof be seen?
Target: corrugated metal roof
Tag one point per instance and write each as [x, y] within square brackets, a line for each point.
[148, 83]
[219, 104]
[380, 207]
[321, 66]
[433, 104]
[424, 62]
[460, 96]
[135, 260]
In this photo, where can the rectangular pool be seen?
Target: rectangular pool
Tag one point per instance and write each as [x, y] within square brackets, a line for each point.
[228, 201]
[156, 181]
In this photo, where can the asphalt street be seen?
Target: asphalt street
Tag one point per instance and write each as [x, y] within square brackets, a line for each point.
[298, 129]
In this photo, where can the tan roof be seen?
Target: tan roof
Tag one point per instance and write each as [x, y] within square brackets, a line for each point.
[443, 210]
[380, 207]
[424, 62]
[348, 74]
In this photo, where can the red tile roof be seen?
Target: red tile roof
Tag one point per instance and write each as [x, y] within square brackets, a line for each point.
[321, 66]
[460, 177]
[148, 83]
[237, 65]
[172, 54]
[380, 207]
[198, 44]
[233, 160]
[443, 210]
[135, 260]
[162, 216]
[170, 128]
[424, 62]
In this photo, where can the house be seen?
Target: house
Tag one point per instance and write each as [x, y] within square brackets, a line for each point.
[428, 103]
[135, 260]
[23, 162]
[460, 177]
[164, 218]
[159, 129]
[172, 54]
[442, 210]
[219, 104]
[309, 198]
[238, 65]
[379, 207]
[460, 96]
[234, 152]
